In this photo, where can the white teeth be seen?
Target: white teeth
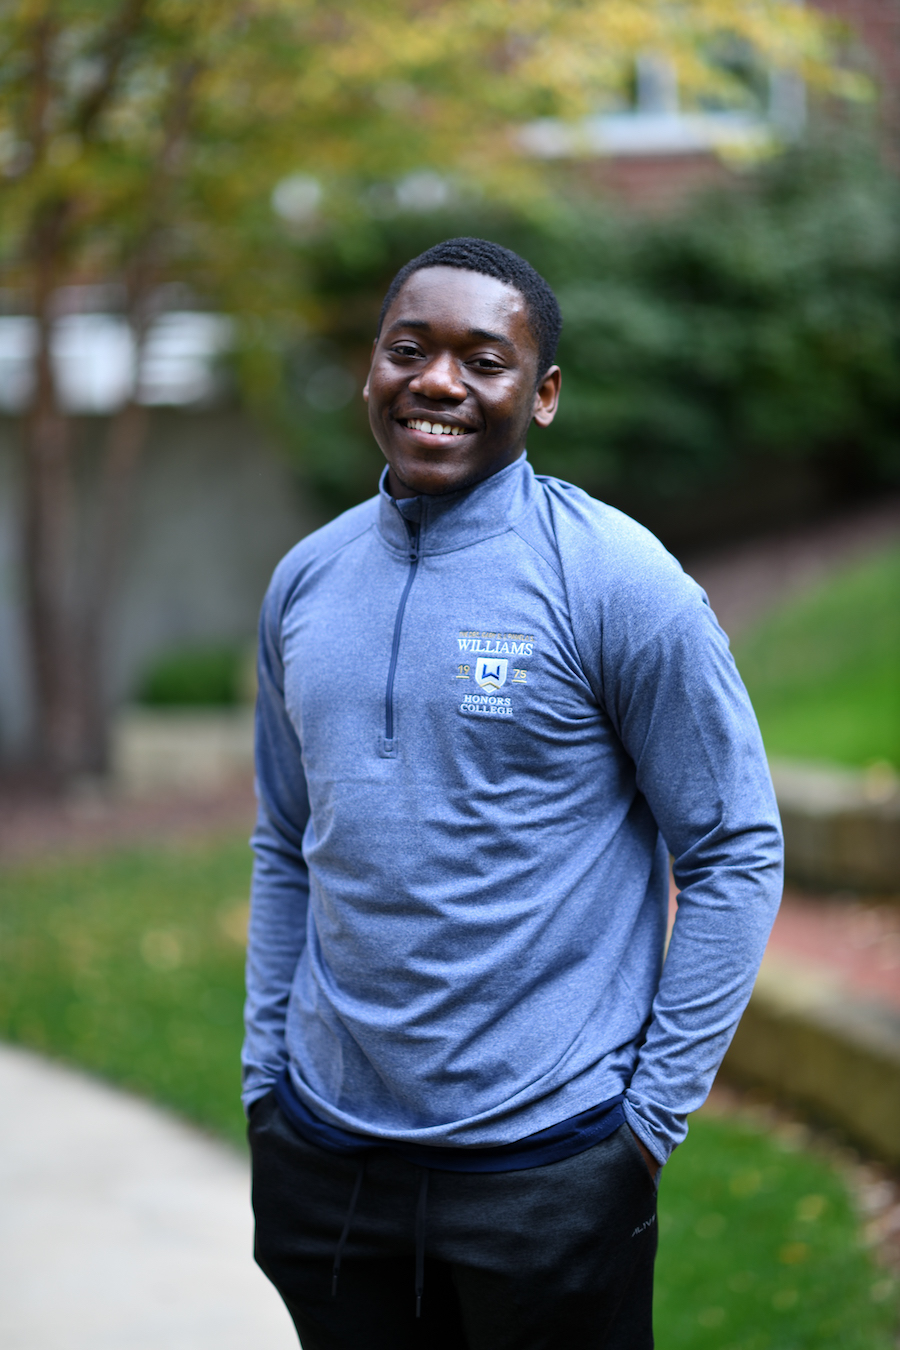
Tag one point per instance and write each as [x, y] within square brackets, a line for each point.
[434, 428]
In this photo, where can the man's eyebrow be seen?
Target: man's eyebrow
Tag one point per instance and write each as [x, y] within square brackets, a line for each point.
[481, 333]
[491, 337]
[409, 323]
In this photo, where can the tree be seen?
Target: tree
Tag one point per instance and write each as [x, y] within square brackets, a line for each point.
[141, 140]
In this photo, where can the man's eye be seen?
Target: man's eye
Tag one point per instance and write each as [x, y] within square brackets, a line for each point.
[485, 363]
[405, 349]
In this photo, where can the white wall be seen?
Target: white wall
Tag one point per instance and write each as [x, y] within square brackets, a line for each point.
[215, 509]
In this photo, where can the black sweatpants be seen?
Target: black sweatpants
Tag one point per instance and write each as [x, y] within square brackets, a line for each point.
[558, 1257]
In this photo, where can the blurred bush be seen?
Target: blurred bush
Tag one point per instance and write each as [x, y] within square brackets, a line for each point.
[196, 677]
[735, 366]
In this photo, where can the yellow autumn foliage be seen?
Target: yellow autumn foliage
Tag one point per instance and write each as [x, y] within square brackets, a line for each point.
[107, 105]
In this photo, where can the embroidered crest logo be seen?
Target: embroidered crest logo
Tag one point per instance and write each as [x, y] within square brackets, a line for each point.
[490, 673]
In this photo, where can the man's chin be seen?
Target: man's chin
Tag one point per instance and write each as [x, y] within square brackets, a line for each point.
[439, 485]
[433, 478]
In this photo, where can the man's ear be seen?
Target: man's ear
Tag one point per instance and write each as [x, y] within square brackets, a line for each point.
[371, 359]
[546, 397]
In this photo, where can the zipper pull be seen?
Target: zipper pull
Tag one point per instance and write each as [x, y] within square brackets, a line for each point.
[413, 542]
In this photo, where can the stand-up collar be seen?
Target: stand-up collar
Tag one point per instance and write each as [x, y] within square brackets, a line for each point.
[457, 519]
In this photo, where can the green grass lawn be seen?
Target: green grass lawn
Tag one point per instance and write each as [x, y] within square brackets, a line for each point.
[758, 1250]
[823, 670]
[132, 966]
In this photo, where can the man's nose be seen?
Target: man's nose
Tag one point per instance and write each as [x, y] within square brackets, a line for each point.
[439, 378]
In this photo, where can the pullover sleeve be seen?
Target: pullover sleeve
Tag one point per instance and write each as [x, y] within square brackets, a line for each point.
[684, 717]
[280, 889]
[660, 667]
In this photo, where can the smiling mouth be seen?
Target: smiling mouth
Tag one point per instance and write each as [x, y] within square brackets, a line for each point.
[434, 428]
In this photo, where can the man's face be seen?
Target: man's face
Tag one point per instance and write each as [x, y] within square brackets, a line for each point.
[455, 355]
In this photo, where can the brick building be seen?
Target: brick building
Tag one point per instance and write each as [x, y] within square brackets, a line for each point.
[654, 154]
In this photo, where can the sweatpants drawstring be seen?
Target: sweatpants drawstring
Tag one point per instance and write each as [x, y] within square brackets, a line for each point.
[357, 1186]
[420, 1238]
[421, 1208]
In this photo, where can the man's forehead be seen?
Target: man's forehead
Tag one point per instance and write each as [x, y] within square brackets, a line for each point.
[449, 287]
[482, 306]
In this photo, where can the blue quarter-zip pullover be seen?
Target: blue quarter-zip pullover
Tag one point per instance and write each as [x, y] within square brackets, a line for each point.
[484, 720]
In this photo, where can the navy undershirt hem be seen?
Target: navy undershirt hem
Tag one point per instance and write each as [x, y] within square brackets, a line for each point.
[564, 1140]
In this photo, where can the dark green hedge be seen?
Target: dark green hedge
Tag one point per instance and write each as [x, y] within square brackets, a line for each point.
[724, 369]
[194, 677]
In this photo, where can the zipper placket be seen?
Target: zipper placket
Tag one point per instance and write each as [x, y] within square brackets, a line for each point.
[413, 555]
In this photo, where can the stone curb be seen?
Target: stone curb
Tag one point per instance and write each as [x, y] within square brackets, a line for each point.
[841, 828]
[189, 751]
[804, 1038]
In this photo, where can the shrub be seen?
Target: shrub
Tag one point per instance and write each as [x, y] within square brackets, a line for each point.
[729, 367]
[195, 677]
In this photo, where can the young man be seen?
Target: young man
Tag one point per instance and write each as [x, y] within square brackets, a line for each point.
[489, 708]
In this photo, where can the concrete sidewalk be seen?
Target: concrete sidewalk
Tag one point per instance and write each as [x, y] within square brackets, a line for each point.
[121, 1228]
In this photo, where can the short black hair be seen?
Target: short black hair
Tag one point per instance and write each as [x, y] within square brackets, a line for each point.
[493, 260]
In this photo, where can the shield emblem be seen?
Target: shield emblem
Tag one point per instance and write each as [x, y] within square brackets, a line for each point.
[490, 673]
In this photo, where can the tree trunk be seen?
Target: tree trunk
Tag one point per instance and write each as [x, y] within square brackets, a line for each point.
[48, 553]
[125, 442]
[71, 589]
[70, 578]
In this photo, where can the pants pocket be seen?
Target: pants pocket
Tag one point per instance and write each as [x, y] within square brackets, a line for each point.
[638, 1157]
